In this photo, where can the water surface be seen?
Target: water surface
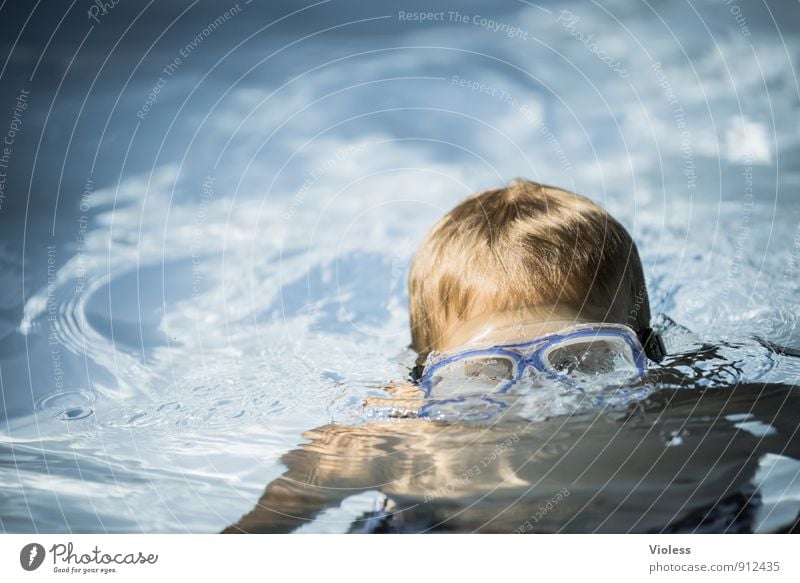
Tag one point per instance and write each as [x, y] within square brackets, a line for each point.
[188, 292]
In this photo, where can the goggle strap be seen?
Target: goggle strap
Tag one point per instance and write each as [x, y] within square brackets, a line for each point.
[652, 343]
[416, 373]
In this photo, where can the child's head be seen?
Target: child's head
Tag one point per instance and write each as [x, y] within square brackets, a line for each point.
[524, 251]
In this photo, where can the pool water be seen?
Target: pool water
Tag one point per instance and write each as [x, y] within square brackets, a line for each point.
[682, 460]
[211, 298]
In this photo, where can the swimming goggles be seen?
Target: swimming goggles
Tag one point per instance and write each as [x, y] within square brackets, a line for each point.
[582, 349]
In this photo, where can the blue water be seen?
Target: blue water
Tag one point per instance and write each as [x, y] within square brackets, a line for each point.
[192, 280]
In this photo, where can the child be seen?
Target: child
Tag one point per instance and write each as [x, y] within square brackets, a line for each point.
[514, 264]
[522, 277]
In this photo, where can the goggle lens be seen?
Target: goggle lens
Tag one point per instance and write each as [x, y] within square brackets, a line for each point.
[473, 375]
[594, 356]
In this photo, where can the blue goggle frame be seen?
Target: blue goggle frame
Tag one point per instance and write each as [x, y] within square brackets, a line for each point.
[530, 354]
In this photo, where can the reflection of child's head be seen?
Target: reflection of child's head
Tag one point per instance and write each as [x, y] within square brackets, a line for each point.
[526, 248]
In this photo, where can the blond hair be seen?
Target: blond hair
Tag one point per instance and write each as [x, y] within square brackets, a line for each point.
[522, 247]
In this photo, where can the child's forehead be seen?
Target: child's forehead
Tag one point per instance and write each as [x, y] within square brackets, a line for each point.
[507, 327]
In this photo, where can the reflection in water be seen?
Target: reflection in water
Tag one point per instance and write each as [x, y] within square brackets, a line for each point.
[693, 455]
[675, 462]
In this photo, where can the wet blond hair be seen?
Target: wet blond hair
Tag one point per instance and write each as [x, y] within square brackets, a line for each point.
[519, 248]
